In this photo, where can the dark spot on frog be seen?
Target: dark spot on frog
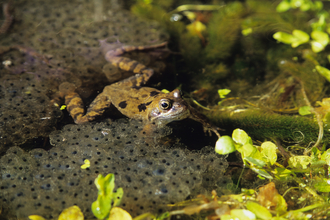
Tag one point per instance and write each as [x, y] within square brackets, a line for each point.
[136, 87]
[144, 96]
[122, 104]
[154, 93]
[143, 106]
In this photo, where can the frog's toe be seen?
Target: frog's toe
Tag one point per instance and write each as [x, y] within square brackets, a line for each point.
[80, 119]
[209, 130]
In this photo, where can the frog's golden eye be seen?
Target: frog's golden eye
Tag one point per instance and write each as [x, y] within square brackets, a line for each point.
[165, 104]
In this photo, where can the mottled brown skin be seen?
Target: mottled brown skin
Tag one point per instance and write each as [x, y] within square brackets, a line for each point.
[147, 104]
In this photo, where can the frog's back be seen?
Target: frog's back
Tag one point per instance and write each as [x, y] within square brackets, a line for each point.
[134, 102]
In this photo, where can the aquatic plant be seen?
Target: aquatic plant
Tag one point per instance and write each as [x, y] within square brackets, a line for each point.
[106, 197]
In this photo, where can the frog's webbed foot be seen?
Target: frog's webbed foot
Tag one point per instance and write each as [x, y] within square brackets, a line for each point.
[207, 126]
[209, 129]
[75, 105]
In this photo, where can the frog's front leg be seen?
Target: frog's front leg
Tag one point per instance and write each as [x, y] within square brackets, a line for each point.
[207, 126]
[75, 105]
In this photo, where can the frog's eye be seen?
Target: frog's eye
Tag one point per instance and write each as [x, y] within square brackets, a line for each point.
[164, 104]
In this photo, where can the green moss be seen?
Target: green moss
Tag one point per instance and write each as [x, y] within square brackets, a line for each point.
[216, 71]
[269, 126]
[312, 81]
[223, 32]
[157, 13]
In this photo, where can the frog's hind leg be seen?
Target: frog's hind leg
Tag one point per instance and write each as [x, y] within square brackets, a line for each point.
[141, 77]
[75, 105]
[127, 64]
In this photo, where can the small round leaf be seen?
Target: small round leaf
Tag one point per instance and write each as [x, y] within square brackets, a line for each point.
[225, 145]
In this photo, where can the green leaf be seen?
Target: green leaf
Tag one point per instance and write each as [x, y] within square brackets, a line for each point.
[305, 6]
[317, 47]
[262, 173]
[241, 137]
[322, 185]
[117, 196]
[297, 37]
[105, 185]
[283, 6]
[258, 210]
[86, 164]
[282, 173]
[242, 214]
[224, 145]
[269, 152]
[248, 150]
[247, 31]
[323, 71]
[223, 92]
[255, 162]
[300, 162]
[321, 37]
[284, 37]
[296, 3]
[318, 5]
[282, 206]
[326, 157]
[301, 38]
[305, 110]
[321, 40]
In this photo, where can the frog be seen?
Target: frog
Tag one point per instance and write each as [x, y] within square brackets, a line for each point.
[130, 96]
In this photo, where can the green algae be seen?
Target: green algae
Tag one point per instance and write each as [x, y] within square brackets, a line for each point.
[269, 126]
[223, 32]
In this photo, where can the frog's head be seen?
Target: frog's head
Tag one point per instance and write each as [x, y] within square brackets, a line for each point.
[171, 107]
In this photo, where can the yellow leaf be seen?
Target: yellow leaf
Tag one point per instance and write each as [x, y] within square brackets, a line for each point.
[117, 213]
[247, 31]
[36, 217]
[86, 164]
[223, 92]
[71, 213]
